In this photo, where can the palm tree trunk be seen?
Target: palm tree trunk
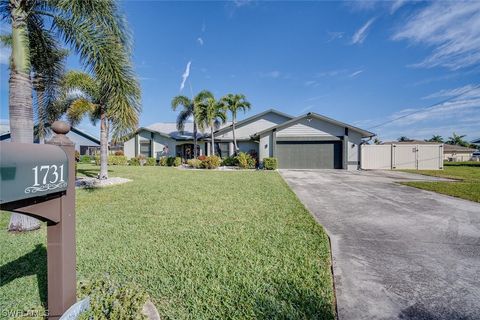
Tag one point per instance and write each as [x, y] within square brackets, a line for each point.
[234, 138]
[194, 139]
[20, 99]
[213, 140]
[103, 146]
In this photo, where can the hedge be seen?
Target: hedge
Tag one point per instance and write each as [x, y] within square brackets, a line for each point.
[270, 163]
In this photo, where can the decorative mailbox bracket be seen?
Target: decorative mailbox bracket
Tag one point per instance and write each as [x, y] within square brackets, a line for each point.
[39, 181]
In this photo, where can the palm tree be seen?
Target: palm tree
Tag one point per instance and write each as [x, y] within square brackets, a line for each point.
[188, 112]
[457, 140]
[210, 113]
[95, 31]
[377, 141]
[235, 103]
[404, 139]
[436, 138]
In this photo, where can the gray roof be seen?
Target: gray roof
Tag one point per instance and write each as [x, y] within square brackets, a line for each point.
[455, 148]
[476, 141]
[169, 129]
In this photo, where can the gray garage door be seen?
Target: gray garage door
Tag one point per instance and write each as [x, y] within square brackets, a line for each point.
[309, 154]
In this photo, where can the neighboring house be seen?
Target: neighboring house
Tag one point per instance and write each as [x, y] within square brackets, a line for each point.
[310, 141]
[457, 153]
[476, 141]
[450, 152]
[85, 144]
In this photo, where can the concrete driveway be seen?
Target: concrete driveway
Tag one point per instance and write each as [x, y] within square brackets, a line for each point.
[398, 252]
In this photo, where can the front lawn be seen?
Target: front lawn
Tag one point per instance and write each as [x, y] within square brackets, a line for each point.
[467, 188]
[204, 244]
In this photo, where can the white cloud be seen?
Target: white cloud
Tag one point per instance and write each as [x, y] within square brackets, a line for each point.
[361, 34]
[306, 108]
[335, 35]
[468, 91]
[185, 75]
[204, 27]
[355, 73]
[241, 3]
[451, 28]
[397, 4]
[4, 55]
[200, 41]
[271, 74]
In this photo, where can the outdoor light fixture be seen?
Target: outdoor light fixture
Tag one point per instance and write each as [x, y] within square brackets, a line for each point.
[309, 117]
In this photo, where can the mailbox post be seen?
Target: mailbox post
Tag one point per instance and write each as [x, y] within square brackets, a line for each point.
[39, 180]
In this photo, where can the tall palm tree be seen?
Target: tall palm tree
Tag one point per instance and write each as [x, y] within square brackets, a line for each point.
[235, 103]
[96, 31]
[436, 138]
[188, 111]
[457, 140]
[404, 139]
[210, 113]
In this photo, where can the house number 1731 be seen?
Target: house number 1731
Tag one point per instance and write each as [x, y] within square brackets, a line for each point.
[48, 174]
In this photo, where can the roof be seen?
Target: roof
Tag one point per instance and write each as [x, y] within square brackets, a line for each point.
[169, 130]
[252, 118]
[476, 141]
[455, 148]
[364, 133]
[412, 142]
[6, 135]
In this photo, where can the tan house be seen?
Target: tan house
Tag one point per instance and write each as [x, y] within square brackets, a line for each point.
[457, 153]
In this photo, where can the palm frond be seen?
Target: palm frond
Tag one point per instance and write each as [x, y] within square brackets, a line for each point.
[182, 118]
[78, 109]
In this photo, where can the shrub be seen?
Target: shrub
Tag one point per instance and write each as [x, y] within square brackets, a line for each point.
[174, 161]
[230, 162]
[117, 160]
[163, 161]
[85, 159]
[119, 153]
[134, 161]
[151, 161]
[194, 163]
[270, 163]
[97, 160]
[245, 161]
[202, 157]
[77, 156]
[211, 162]
[110, 300]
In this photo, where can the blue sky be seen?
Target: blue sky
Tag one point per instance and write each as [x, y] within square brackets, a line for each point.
[364, 63]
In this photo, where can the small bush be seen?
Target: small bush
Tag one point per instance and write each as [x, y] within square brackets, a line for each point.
[151, 161]
[77, 156]
[97, 160]
[230, 162]
[202, 157]
[110, 300]
[163, 161]
[85, 159]
[119, 153]
[134, 161]
[246, 161]
[270, 163]
[194, 163]
[211, 162]
[117, 160]
[174, 161]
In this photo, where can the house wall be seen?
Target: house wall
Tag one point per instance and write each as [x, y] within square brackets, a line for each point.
[129, 148]
[77, 139]
[314, 127]
[353, 154]
[264, 147]
[457, 156]
[246, 130]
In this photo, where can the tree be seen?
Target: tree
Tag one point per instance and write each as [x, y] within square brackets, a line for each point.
[377, 141]
[210, 113]
[235, 103]
[188, 112]
[96, 31]
[435, 138]
[457, 140]
[403, 139]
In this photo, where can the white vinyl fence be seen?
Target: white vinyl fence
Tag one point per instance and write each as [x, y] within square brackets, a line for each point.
[402, 156]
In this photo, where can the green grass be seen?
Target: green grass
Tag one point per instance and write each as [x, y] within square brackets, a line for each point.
[204, 244]
[468, 186]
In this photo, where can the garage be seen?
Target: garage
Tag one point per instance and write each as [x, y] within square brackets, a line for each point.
[309, 154]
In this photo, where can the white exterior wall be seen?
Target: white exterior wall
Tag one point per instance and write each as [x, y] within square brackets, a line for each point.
[314, 127]
[353, 150]
[264, 147]
[129, 148]
[458, 156]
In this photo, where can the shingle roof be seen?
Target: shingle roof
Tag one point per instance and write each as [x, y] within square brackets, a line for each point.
[170, 129]
[455, 148]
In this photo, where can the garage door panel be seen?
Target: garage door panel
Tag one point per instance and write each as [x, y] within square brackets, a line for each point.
[309, 154]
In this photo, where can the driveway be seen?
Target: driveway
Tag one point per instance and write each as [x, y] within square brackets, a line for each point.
[398, 252]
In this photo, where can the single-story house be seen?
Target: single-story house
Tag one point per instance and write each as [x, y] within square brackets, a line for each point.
[85, 144]
[450, 152]
[309, 141]
[457, 153]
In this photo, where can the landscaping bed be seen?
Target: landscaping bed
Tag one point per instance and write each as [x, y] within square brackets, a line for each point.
[203, 244]
[468, 184]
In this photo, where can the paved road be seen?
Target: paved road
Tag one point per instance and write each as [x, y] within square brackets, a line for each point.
[398, 252]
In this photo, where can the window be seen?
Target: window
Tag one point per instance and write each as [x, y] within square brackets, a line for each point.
[145, 148]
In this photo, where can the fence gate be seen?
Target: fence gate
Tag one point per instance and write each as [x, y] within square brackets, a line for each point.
[402, 156]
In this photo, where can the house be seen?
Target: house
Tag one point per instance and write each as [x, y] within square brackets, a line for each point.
[85, 144]
[476, 141]
[310, 141]
[457, 153]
